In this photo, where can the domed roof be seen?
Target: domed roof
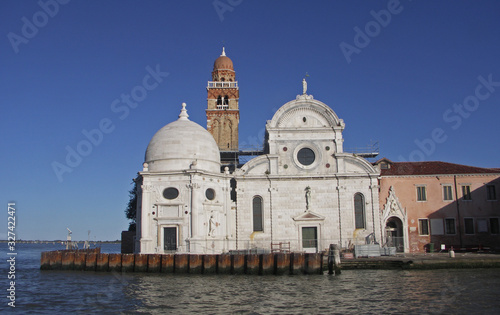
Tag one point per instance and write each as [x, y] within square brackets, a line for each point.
[182, 145]
[223, 62]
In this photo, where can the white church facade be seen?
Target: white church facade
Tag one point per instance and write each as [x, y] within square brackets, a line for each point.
[302, 193]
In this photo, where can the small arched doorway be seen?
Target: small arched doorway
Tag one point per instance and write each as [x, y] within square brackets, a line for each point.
[394, 234]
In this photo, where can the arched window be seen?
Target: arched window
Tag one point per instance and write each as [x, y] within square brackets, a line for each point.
[226, 100]
[359, 210]
[219, 100]
[257, 214]
[222, 79]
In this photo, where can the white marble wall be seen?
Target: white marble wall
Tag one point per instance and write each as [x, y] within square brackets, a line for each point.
[203, 225]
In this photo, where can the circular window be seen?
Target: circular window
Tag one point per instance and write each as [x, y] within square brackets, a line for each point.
[306, 156]
[210, 194]
[170, 193]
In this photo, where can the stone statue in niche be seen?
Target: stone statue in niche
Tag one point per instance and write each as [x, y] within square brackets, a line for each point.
[211, 226]
[393, 206]
[308, 197]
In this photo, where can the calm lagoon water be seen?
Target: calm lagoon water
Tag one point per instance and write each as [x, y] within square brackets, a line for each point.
[456, 291]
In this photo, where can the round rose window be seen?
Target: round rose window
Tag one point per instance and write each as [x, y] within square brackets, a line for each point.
[306, 156]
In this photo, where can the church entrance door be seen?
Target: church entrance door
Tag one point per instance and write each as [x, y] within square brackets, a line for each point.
[170, 238]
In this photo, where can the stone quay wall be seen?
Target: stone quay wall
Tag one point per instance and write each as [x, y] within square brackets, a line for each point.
[254, 264]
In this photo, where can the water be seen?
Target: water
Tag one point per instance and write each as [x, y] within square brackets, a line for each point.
[353, 292]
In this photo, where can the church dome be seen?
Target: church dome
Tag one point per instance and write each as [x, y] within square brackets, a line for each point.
[223, 62]
[182, 145]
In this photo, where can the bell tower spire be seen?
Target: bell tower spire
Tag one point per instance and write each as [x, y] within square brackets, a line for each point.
[223, 114]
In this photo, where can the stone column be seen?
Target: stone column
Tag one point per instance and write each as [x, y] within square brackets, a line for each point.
[146, 219]
[195, 209]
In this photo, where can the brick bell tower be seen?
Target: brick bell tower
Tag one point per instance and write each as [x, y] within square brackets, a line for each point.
[223, 114]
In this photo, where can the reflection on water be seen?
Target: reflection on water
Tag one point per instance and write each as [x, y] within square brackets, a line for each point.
[354, 292]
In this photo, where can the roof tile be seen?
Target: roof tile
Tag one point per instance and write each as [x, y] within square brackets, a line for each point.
[434, 168]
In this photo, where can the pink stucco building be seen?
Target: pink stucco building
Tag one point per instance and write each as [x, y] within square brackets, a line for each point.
[427, 205]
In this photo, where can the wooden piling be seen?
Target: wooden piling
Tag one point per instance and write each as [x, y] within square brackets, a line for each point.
[141, 263]
[45, 261]
[224, 264]
[181, 263]
[297, 263]
[56, 260]
[314, 264]
[154, 263]
[102, 262]
[90, 262]
[252, 264]
[209, 264]
[266, 264]
[80, 259]
[115, 262]
[68, 261]
[282, 263]
[237, 264]
[167, 263]
[195, 264]
[333, 259]
[128, 262]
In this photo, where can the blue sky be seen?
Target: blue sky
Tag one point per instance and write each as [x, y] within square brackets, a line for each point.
[420, 77]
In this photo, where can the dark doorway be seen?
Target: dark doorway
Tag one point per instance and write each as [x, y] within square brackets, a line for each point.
[394, 234]
[170, 238]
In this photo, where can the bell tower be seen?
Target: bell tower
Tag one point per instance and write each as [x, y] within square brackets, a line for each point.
[223, 114]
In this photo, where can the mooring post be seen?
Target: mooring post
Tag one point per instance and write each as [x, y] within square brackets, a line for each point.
[334, 260]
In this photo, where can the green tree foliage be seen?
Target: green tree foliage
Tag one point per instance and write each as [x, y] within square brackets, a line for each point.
[131, 211]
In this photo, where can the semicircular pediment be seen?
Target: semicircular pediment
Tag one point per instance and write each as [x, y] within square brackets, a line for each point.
[308, 113]
[256, 166]
[356, 164]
